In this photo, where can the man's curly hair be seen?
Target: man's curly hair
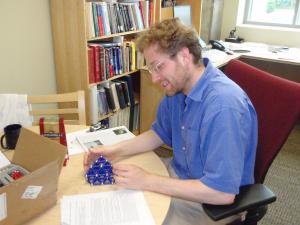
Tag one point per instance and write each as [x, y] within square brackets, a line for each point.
[171, 36]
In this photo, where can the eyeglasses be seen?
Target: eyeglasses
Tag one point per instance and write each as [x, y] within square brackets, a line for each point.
[154, 68]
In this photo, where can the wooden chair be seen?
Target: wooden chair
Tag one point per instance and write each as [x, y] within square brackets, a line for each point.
[71, 107]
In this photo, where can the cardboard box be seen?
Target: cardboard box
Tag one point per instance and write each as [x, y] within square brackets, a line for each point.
[32, 194]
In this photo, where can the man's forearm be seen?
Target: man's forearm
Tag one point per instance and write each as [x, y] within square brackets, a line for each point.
[193, 190]
[144, 142]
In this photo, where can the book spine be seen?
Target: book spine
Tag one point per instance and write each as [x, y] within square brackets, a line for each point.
[91, 62]
[96, 50]
[120, 19]
[115, 96]
[151, 12]
[110, 99]
[102, 63]
[95, 19]
[100, 19]
[142, 13]
[120, 94]
[105, 18]
[93, 105]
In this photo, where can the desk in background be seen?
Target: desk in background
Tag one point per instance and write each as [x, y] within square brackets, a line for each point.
[72, 182]
[218, 58]
[278, 60]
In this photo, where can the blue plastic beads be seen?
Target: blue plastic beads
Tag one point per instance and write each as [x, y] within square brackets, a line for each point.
[100, 173]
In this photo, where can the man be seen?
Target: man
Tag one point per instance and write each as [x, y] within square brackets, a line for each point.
[206, 118]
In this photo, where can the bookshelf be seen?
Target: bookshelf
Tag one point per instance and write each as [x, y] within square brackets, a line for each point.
[71, 36]
[70, 39]
[149, 103]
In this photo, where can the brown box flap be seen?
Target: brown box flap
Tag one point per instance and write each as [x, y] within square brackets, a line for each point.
[34, 151]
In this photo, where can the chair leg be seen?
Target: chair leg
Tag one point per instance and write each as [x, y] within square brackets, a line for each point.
[255, 215]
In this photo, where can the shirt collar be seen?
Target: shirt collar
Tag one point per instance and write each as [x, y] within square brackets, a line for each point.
[197, 91]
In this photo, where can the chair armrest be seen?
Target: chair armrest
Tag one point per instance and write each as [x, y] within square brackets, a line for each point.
[250, 196]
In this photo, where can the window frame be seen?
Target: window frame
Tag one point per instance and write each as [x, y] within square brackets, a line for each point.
[247, 10]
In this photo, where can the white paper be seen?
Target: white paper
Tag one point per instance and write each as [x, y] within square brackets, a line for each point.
[214, 55]
[104, 137]
[3, 160]
[123, 207]
[3, 207]
[73, 145]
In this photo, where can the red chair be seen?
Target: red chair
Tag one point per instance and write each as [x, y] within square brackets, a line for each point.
[277, 103]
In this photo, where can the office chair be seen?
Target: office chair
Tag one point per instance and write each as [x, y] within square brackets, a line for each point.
[71, 107]
[277, 103]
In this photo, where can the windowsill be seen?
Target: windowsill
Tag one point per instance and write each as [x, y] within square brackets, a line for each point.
[268, 27]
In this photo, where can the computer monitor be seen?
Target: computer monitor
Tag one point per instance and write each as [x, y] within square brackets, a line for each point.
[183, 12]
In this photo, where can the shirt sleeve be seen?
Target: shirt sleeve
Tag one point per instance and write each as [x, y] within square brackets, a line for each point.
[162, 124]
[226, 142]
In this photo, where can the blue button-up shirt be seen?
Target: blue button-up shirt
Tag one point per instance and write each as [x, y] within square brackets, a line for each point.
[213, 132]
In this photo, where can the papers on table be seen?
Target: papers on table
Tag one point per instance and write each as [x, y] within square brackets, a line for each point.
[81, 141]
[73, 145]
[214, 55]
[123, 207]
[104, 137]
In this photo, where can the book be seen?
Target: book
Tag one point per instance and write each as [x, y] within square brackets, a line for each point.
[100, 19]
[125, 91]
[106, 19]
[90, 20]
[144, 7]
[115, 96]
[91, 61]
[95, 19]
[104, 109]
[109, 98]
[93, 104]
[97, 66]
[104, 137]
[138, 15]
[120, 94]
[128, 80]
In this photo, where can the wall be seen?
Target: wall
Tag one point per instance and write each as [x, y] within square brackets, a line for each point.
[26, 51]
[211, 19]
[206, 19]
[287, 37]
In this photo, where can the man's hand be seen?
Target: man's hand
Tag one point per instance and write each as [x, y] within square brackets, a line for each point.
[111, 153]
[130, 176]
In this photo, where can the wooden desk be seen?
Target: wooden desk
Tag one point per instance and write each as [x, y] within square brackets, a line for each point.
[281, 62]
[267, 52]
[72, 182]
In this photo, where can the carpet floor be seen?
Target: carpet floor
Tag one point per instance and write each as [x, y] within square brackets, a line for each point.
[284, 179]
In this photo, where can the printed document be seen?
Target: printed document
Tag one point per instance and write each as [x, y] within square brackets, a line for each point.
[122, 207]
[104, 137]
[82, 140]
[73, 145]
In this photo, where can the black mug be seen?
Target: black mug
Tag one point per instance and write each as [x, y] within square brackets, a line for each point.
[11, 135]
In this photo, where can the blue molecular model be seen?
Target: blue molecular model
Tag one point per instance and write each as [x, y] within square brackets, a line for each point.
[100, 173]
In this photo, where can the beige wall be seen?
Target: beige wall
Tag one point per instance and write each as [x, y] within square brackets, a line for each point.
[26, 52]
[288, 37]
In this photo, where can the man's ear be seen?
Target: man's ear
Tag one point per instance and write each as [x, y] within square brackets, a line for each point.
[184, 55]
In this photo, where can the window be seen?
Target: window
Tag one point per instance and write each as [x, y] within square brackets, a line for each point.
[283, 13]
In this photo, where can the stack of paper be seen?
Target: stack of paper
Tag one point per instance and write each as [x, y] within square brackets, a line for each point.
[81, 141]
[104, 137]
[123, 207]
